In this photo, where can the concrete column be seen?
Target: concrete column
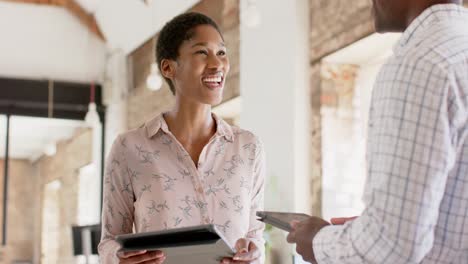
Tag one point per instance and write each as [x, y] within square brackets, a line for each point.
[274, 78]
[275, 99]
[116, 86]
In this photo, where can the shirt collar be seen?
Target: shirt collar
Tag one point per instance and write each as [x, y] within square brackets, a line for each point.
[433, 14]
[223, 129]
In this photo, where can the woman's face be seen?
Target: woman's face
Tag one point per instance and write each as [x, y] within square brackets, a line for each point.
[202, 66]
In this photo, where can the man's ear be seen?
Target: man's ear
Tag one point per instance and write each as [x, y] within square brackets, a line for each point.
[168, 68]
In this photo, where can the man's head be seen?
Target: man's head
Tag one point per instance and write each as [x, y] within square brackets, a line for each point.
[180, 29]
[396, 15]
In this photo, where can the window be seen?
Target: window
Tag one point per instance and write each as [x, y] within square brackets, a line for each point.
[89, 196]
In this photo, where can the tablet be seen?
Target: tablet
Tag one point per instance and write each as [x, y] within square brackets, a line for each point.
[198, 244]
[281, 220]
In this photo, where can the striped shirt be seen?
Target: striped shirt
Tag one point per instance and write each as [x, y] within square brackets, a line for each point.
[416, 193]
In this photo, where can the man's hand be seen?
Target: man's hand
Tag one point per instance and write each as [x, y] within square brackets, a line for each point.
[247, 252]
[342, 220]
[142, 257]
[303, 233]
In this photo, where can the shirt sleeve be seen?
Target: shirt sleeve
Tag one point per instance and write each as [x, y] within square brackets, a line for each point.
[411, 150]
[256, 227]
[118, 209]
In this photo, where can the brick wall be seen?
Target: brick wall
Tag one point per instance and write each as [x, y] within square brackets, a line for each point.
[143, 104]
[64, 166]
[337, 23]
[21, 219]
[334, 24]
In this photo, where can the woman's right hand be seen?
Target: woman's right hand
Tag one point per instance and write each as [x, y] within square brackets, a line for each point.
[141, 257]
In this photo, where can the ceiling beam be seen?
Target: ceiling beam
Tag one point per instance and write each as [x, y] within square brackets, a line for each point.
[39, 2]
[87, 19]
[39, 98]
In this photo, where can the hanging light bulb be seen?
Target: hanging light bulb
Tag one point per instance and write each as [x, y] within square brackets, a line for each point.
[250, 15]
[154, 80]
[50, 149]
[92, 116]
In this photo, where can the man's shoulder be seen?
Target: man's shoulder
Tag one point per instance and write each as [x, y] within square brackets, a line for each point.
[443, 45]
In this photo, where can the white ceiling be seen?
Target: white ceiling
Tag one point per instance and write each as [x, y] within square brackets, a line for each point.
[29, 136]
[48, 42]
[127, 24]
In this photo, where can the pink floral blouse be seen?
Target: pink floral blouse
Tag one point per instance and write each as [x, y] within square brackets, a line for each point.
[151, 183]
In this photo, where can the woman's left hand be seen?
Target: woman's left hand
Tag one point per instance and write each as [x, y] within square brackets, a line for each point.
[247, 252]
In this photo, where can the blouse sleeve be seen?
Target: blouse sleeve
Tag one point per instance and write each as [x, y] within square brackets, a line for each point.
[118, 208]
[256, 227]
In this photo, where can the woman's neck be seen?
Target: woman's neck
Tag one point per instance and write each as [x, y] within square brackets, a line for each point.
[190, 122]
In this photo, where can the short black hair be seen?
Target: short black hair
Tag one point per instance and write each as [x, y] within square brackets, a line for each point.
[175, 32]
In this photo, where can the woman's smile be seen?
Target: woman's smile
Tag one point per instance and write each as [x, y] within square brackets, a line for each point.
[214, 81]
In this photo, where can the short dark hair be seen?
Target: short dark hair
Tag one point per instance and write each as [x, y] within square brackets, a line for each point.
[175, 32]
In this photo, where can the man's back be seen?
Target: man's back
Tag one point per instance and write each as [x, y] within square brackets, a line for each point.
[418, 148]
[416, 192]
[448, 42]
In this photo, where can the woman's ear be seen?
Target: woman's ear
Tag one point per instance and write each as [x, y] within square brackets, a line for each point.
[168, 68]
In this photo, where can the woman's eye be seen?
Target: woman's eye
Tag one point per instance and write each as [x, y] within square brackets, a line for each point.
[222, 53]
[202, 52]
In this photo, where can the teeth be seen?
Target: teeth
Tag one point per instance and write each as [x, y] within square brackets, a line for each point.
[212, 79]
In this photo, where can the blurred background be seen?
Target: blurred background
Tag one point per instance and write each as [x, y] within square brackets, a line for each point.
[76, 73]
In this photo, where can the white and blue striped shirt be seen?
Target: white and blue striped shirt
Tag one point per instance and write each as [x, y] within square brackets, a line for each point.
[416, 193]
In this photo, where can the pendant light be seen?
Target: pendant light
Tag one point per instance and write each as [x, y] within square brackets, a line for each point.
[92, 116]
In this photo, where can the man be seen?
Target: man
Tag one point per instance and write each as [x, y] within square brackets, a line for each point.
[417, 188]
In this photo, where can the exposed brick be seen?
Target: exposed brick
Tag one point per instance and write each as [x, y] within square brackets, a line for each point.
[231, 37]
[71, 155]
[141, 59]
[315, 166]
[231, 12]
[20, 223]
[337, 23]
[25, 188]
[145, 104]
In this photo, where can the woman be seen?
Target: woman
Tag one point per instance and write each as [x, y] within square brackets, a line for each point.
[186, 167]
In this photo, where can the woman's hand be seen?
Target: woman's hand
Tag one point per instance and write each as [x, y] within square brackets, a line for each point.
[141, 257]
[247, 252]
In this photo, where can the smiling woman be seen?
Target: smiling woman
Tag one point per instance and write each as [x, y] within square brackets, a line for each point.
[186, 167]
[198, 72]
